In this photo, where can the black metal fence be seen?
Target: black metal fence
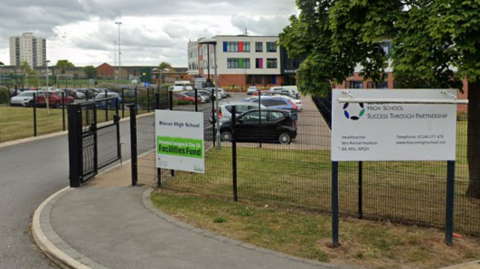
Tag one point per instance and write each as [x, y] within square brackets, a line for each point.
[298, 176]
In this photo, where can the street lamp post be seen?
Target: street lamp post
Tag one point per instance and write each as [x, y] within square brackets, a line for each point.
[119, 52]
[1, 72]
[212, 41]
[46, 65]
[115, 61]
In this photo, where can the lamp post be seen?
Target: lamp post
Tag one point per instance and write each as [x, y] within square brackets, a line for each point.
[119, 52]
[212, 41]
[115, 61]
[46, 66]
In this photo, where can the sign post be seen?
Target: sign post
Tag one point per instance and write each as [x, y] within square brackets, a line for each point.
[180, 140]
[394, 125]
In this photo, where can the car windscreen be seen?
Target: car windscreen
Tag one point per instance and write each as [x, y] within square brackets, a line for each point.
[26, 93]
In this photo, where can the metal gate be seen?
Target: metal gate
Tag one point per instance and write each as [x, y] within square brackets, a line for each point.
[93, 138]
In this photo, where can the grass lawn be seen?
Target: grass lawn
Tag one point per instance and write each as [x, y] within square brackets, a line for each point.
[17, 122]
[308, 234]
[282, 194]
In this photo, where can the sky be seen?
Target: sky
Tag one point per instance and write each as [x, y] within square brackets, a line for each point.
[151, 31]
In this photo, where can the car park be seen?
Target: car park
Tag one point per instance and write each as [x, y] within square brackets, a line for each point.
[278, 102]
[268, 125]
[225, 112]
[221, 92]
[294, 89]
[89, 93]
[297, 102]
[54, 98]
[24, 98]
[251, 90]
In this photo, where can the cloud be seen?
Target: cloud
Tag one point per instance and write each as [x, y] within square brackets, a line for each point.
[152, 31]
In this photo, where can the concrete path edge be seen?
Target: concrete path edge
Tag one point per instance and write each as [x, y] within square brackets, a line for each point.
[43, 235]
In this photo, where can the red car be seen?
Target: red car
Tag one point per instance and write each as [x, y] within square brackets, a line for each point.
[54, 99]
[184, 98]
[263, 93]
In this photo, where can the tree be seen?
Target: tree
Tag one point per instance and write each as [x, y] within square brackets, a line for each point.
[165, 65]
[63, 65]
[31, 76]
[90, 71]
[428, 39]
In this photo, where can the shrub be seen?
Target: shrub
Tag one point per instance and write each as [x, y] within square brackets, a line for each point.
[4, 95]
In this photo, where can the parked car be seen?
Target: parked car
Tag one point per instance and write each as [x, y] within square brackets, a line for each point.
[269, 125]
[209, 90]
[184, 98]
[251, 90]
[221, 92]
[112, 103]
[225, 112]
[278, 102]
[297, 102]
[206, 94]
[54, 99]
[74, 94]
[294, 89]
[89, 93]
[24, 98]
[192, 94]
[283, 91]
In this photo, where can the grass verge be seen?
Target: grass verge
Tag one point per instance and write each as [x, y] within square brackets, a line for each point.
[308, 234]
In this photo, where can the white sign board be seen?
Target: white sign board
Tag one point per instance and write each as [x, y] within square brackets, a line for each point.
[179, 140]
[393, 132]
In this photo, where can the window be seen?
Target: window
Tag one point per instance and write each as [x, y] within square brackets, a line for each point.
[259, 63]
[236, 46]
[258, 46]
[275, 116]
[254, 116]
[246, 46]
[271, 47]
[238, 62]
[271, 63]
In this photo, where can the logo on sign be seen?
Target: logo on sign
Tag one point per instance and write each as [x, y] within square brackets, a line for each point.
[353, 112]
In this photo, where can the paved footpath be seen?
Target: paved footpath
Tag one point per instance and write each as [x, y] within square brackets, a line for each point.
[105, 226]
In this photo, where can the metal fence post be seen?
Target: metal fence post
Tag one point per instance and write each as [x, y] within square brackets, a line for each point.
[159, 170]
[63, 110]
[335, 204]
[34, 114]
[133, 143]
[450, 203]
[74, 144]
[106, 105]
[123, 103]
[172, 172]
[213, 117]
[196, 100]
[234, 155]
[360, 190]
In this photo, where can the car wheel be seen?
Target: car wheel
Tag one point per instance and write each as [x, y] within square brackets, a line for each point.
[30, 104]
[226, 136]
[56, 105]
[284, 139]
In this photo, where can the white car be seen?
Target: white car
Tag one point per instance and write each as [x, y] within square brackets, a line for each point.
[251, 90]
[225, 112]
[23, 99]
[283, 91]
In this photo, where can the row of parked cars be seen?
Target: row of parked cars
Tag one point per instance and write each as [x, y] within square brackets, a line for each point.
[204, 95]
[54, 96]
[270, 117]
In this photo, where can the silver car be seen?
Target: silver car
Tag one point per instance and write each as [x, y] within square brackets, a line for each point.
[23, 99]
[225, 112]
